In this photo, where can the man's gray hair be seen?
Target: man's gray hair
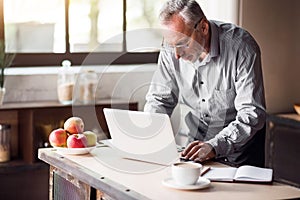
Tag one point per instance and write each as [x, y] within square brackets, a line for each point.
[189, 10]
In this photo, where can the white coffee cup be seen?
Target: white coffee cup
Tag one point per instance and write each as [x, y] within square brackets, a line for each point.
[186, 173]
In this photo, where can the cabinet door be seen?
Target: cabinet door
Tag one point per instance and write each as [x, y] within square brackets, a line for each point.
[283, 150]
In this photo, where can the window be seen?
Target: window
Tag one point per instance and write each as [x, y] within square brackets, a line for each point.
[104, 31]
[43, 33]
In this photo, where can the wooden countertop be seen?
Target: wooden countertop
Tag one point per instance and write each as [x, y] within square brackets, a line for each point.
[93, 170]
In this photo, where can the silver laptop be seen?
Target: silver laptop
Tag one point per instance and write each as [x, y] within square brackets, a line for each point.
[141, 135]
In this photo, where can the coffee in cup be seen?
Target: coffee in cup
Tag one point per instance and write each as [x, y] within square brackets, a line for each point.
[186, 173]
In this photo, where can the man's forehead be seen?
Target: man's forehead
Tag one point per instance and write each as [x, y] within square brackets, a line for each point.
[171, 37]
[174, 29]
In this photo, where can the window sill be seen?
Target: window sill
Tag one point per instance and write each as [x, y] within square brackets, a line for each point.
[99, 69]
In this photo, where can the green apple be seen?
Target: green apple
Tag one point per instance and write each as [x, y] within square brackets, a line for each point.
[91, 138]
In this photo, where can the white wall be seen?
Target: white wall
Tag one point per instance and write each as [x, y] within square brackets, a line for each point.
[276, 26]
[221, 10]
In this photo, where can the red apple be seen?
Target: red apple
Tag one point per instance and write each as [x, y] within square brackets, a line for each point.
[77, 141]
[74, 125]
[58, 138]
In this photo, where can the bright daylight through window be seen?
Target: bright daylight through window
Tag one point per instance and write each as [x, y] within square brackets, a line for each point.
[48, 31]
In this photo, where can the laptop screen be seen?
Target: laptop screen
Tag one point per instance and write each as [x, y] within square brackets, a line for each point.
[142, 135]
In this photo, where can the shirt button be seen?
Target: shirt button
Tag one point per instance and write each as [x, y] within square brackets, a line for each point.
[203, 100]
[201, 82]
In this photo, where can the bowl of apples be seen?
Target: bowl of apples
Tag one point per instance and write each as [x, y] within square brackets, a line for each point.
[72, 138]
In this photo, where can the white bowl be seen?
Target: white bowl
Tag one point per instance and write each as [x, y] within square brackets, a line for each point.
[75, 151]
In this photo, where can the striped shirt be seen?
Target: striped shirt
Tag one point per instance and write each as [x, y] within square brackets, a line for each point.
[224, 92]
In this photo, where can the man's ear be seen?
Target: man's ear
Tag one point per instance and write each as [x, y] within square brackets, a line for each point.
[204, 27]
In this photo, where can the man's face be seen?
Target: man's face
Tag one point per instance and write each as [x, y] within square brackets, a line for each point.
[182, 39]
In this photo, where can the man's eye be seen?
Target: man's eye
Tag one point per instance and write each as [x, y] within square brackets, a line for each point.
[183, 42]
[180, 43]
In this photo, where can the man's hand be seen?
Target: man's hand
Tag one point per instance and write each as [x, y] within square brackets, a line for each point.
[199, 151]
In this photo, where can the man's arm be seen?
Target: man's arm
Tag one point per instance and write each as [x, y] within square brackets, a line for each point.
[249, 103]
[162, 96]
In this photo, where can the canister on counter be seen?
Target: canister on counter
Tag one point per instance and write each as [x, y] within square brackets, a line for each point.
[4, 142]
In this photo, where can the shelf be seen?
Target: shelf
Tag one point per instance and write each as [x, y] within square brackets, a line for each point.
[51, 104]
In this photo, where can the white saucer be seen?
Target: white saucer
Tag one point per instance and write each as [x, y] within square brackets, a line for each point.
[201, 184]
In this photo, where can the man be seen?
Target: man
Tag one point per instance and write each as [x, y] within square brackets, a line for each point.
[214, 68]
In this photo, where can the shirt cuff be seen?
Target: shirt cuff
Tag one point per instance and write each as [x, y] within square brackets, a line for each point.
[220, 146]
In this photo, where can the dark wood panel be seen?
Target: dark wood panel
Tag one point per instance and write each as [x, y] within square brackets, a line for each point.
[26, 144]
[27, 182]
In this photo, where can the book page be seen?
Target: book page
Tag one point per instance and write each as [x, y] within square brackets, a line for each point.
[251, 173]
[221, 174]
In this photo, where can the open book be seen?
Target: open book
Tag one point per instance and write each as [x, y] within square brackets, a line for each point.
[243, 173]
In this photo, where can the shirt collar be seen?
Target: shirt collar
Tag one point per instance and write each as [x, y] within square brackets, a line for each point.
[214, 40]
[214, 46]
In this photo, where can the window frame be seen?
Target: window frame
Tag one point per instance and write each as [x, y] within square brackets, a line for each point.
[101, 58]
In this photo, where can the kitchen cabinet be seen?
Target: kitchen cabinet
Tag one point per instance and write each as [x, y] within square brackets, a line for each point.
[283, 147]
[31, 124]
